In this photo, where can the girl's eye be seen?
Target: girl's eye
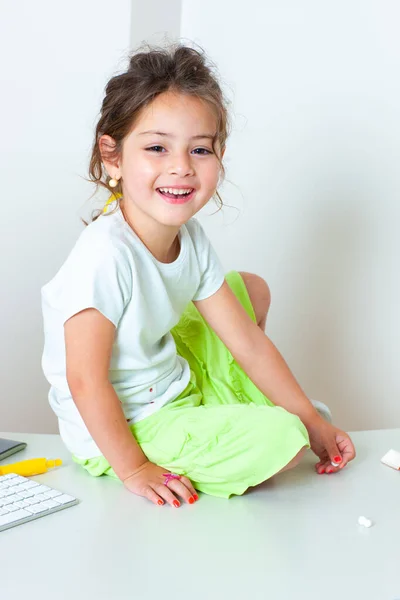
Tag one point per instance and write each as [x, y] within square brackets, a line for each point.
[202, 150]
[199, 151]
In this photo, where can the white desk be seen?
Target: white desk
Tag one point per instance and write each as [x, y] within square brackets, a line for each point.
[295, 537]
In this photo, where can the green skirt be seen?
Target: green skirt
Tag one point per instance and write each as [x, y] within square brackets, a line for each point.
[221, 432]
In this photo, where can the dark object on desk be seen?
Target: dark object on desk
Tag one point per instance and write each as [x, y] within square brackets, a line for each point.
[8, 447]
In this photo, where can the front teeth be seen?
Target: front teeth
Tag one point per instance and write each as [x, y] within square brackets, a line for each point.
[175, 191]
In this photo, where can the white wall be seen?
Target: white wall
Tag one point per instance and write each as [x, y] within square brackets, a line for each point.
[56, 59]
[314, 159]
[155, 21]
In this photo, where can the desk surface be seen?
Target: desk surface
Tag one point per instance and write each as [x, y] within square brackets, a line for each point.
[295, 536]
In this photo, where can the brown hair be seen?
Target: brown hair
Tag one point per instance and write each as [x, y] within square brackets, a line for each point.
[150, 73]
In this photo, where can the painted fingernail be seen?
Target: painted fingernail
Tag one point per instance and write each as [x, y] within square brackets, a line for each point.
[191, 500]
[160, 502]
[329, 470]
[337, 459]
[195, 496]
[176, 503]
[320, 470]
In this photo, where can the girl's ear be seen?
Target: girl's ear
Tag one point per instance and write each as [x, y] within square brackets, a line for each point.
[109, 156]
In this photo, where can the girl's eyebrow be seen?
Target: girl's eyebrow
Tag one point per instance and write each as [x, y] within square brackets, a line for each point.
[194, 137]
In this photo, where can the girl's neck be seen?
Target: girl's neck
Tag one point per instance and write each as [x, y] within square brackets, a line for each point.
[162, 241]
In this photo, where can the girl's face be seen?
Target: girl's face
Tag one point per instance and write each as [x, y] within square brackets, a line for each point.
[169, 148]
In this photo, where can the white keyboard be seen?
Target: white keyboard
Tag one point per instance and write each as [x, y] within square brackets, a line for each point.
[23, 500]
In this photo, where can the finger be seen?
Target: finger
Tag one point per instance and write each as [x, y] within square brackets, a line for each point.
[321, 463]
[331, 469]
[333, 450]
[322, 468]
[189, 486]
[177, 486]
[151, 495]
[346, 448]
[165, 493]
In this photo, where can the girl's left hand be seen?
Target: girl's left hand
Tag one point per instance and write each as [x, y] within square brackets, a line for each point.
[330, 443]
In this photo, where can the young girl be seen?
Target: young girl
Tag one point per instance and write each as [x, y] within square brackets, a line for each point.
[161, 374]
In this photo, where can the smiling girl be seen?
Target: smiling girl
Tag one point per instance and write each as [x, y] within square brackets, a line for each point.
[161, 373]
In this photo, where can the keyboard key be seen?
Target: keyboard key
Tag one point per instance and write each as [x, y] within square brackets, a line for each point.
[41, 489]
[64, 499]
[29, 484]
[13, 517]
[37, 508]
[52, 494]
[50, 504]
[19, 496]
[31, 501]
[6, 493]
[19, 478]
[25, 494]
[6, 501]
[40, 497]
[21, 504]
[13, 498]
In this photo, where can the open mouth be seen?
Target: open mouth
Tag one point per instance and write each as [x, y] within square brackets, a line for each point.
[176, 196]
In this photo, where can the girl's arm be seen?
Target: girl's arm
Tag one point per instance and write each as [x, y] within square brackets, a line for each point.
[89, 338]
[255, 353]
[262, 362]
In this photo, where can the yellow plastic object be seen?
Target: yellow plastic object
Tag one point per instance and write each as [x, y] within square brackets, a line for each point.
[111, 199]
[27, 468]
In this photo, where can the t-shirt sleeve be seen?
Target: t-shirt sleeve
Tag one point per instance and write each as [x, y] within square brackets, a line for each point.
[99, 279]
[212, 273]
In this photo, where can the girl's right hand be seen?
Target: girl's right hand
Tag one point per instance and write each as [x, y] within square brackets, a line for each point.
[148, 481]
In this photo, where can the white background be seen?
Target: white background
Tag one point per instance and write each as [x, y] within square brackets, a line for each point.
[312, 174]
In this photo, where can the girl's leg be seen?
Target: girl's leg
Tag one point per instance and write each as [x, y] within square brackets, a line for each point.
[220, 379]
[260, 296]
[293, 463]
[222, 449]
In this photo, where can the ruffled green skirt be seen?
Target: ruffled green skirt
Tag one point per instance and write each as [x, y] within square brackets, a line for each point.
[221, 432]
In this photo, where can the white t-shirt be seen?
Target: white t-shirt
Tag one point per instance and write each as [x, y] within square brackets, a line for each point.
[110, 269]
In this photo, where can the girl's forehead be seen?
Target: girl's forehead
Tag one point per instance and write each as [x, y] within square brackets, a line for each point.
[178, 110]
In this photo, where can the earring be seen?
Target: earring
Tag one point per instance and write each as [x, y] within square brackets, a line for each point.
[113, 182]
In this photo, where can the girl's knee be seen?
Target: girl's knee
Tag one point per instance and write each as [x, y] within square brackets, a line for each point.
[295, 461]
[259, 293]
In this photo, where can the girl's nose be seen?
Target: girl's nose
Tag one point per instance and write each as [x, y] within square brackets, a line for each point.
[180, 165]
